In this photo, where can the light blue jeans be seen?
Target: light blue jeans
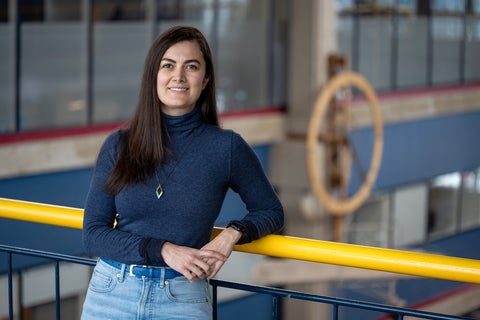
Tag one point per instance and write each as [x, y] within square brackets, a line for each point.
[114, 294]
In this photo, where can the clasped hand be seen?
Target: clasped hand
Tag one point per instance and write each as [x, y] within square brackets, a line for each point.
[202, 263]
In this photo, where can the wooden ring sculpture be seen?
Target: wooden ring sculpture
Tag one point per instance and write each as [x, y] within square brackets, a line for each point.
[334, 205]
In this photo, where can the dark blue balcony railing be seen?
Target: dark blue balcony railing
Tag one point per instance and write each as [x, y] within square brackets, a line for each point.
[396, 261]
[276, 293]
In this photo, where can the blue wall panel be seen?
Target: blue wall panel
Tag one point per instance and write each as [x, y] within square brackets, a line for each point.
[421, 150]
[252, 307]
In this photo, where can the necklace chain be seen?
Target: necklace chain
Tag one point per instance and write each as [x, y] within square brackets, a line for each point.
[159, 189]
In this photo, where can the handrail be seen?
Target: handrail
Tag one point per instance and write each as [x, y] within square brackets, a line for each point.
[381, 259]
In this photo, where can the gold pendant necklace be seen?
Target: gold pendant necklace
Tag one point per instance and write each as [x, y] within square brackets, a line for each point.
[159, 189]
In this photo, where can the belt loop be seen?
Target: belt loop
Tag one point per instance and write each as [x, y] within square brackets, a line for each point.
[121, 273]
[162, 277]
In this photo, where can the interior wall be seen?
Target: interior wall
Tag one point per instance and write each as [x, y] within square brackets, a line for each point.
[409, 213]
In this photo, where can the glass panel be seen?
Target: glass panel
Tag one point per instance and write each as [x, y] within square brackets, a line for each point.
[345, 36]
[7, 79]
[407, 4]
[61, 10]
[172, 9]
[53, 75]
[476, 6]
[408, 214]
[472, 67]
[108, 10]
[443, 205]
[447, 33]
[202, 11]
[345, 5]
[412, 52]
[242, 55]
[454, 203]
[278, 76]
[120, 50]
[470, 201]
[54, 56]
[375, 50]
[448, 5]
[121, 40]
[53, 65]
[369, 225]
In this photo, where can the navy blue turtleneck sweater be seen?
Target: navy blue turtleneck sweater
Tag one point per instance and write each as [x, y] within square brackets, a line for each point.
[206, 162]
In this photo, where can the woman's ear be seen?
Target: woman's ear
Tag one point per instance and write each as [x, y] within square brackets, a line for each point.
[205, 82]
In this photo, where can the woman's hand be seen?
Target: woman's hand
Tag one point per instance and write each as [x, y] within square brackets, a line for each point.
[192, 263]
[222, 244]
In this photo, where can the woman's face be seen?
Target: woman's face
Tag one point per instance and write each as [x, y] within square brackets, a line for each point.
[181, 78]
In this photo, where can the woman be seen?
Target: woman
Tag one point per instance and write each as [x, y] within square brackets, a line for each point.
[158, 187]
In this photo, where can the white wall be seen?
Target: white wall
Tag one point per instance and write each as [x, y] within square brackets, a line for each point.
[409, 214]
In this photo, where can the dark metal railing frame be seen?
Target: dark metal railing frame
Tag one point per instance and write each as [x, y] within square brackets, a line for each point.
[276, 293]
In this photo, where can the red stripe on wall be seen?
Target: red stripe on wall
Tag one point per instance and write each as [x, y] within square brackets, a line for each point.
[412, 93]
[56, 133]
[68, 132]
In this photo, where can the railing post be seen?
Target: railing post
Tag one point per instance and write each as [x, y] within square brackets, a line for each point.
[214, 300]
[57, 289]
[335, 311]
[275, 307]
[10, 287]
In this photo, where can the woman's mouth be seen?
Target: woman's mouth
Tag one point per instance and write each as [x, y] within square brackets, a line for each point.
[177, 89]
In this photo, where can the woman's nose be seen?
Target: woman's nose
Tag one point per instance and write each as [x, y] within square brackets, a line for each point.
[179, 75]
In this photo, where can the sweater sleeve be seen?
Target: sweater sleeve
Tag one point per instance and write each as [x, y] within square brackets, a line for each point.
[99, 236]
[248, 179]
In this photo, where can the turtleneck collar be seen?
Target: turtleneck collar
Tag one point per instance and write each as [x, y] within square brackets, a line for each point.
[184, 122]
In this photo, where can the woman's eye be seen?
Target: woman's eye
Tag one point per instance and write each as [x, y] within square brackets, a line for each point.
[167, 66]
[191, 67]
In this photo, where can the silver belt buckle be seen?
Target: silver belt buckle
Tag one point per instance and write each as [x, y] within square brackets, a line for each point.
[130, 269]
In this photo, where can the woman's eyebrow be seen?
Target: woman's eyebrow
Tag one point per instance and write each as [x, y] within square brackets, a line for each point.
[192, 60]
[186, 61]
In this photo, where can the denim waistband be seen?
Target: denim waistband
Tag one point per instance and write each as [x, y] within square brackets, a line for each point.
[136, 270]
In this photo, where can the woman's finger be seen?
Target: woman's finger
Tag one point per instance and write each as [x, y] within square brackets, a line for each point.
[215, 269]
[211, 254]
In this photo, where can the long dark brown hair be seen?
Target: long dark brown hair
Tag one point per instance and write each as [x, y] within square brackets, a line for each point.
[144, 147]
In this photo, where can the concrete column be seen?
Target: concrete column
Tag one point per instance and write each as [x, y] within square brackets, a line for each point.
[312, 39]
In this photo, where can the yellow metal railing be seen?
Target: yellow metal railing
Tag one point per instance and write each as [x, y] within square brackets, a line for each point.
[389, 260]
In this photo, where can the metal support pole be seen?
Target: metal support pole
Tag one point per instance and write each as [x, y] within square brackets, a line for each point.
[17, 61]
[10, 287]
[57, 289]
[90, 60]
[215, 300]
